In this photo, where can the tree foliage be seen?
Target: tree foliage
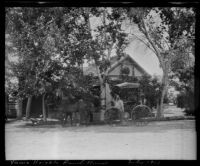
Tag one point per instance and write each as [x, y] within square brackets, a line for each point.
[52, 43]
[108, 36]
[169, 33]
[151, 89]
[185, 85]
[49, 42]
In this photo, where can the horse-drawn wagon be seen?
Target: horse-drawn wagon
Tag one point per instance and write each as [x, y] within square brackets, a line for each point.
[134, 105]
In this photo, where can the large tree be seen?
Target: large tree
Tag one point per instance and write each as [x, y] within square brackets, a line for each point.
[169, 33]
[107, 37]
[48, 42]
[26, 28]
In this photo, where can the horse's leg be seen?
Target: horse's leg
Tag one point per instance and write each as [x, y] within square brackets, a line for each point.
[86, 118]
[67, 117]
[89, 117]
[63, 119]
[78, 118]
[71, 118]
[81, 118]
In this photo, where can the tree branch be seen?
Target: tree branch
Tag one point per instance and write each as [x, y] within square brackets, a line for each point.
[98, 73]
[145, 43]
[90, 29]
[166, 43]
[110, 50]
[158, 44]
[144, 30]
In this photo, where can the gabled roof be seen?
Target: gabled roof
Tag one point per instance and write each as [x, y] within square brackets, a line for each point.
[127, 57]
[114, 63]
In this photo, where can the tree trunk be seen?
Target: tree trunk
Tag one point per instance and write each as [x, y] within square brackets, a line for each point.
[28, 107]
[19, 109]
[101, 80]
[160, 113]
[103, 101]
[165, 65]
[44, 108]
[160, 109]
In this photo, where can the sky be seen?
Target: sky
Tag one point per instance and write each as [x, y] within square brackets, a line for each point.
[145, 57]
[137, 50]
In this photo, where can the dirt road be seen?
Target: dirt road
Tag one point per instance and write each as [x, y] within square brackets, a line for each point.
[157, 140]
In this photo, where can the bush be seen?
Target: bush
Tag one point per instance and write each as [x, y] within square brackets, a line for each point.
[151, 89]
[186, 100]
[189, 112]
[180, 101]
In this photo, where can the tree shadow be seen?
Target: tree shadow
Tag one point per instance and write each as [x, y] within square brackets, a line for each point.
[151, 127]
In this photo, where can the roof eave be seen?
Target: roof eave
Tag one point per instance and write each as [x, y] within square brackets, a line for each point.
[123, 59]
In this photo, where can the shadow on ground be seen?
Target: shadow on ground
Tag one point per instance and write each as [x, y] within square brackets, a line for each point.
[130, 127]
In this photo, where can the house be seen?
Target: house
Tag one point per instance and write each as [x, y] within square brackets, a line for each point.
[115, 71]
[117, 65]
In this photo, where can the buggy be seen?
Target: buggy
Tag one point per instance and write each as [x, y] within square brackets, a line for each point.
[135, 109]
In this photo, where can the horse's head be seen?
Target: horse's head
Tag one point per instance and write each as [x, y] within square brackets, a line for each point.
[53, 98]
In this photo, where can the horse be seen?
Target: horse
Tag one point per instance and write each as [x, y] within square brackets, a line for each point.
[67, 109]
[52, 101]
[70, 107]
[85, 109]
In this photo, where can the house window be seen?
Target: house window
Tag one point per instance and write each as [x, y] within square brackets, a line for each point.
[125, 70]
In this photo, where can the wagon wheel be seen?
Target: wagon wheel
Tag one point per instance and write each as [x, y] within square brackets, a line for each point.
[111, 114]
[139, 112]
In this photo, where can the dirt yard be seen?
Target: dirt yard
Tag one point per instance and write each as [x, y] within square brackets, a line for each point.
[157, 140]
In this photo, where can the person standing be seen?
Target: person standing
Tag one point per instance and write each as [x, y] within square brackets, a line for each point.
[120, 106]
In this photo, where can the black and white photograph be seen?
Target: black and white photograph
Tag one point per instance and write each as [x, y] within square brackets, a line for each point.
[100, 83]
